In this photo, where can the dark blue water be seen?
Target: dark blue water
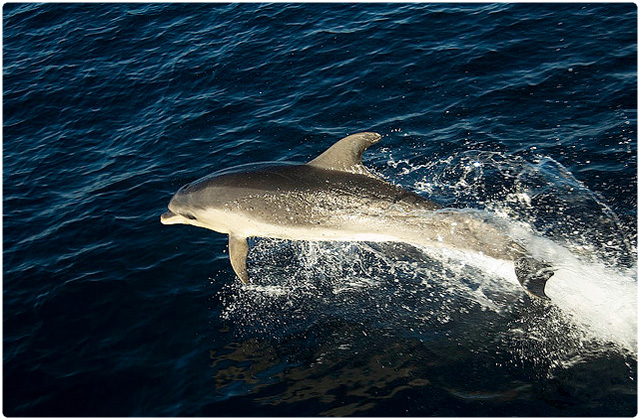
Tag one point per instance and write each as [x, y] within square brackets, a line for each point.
[525, 111]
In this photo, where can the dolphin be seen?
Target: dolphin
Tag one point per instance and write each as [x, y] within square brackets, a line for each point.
[334, 197]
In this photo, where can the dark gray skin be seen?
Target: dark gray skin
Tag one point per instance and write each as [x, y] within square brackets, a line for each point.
[333, 197]
[268, 194]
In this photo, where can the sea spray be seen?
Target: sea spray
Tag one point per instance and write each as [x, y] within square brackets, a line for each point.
[601, 301]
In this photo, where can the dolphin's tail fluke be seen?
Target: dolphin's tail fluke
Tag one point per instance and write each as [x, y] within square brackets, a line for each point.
[533, 275]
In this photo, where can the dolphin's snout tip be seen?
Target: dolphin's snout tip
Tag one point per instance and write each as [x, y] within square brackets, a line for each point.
[167, 217]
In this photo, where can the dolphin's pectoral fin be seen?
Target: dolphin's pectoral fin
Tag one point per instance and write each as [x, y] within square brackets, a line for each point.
[346, 154]
[238, 250]
[533, 275]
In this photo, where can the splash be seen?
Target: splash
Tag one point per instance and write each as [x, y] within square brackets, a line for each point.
[561, 221]
[438, 294]
[601, 300]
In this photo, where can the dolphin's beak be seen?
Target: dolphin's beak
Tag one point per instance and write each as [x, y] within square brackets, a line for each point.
[169, 218]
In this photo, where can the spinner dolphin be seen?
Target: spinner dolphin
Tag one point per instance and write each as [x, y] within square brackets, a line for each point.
[335, 198]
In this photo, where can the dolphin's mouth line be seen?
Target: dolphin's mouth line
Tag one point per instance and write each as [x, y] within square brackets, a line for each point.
[168, 217]
[171, 218]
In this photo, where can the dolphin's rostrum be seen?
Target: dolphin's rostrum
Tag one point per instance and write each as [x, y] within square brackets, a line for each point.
[335, 198]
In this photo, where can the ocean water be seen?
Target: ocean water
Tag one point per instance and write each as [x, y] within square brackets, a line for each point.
[526, 113]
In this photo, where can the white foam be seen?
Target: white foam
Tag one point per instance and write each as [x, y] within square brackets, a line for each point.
[599, 300]
[602, 301]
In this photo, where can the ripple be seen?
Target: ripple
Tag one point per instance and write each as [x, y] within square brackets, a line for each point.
[108, 110]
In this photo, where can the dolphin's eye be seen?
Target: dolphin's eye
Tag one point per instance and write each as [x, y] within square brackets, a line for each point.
[190, 216]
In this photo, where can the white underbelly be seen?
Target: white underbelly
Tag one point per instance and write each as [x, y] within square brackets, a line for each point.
[449, 231]
[324, 234]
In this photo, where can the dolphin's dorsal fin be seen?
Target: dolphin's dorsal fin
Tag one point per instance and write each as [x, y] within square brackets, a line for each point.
[346, 154]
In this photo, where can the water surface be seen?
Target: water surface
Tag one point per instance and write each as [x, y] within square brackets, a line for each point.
[527, 112]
